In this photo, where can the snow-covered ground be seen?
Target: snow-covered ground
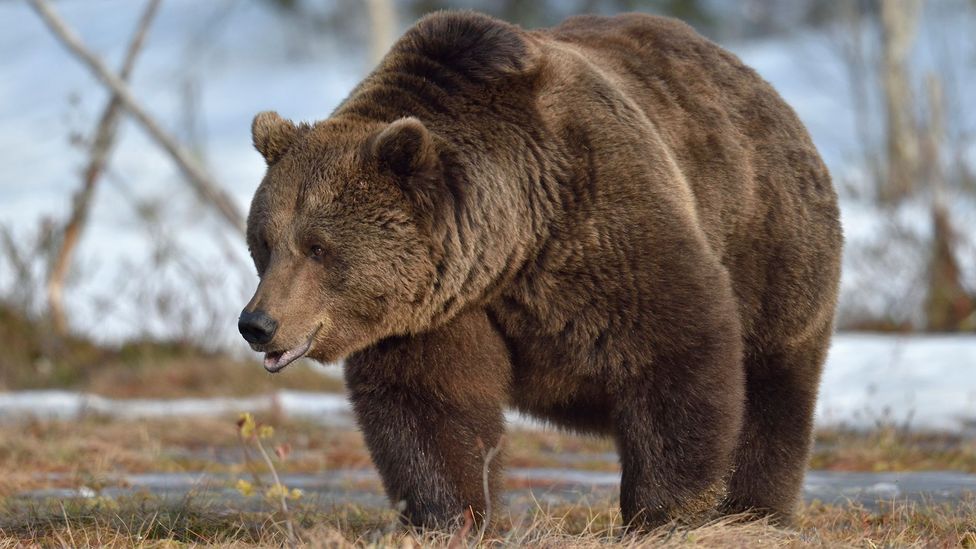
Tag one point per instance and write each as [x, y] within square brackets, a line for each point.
[917, 382]
[920, 381]
[67, 405]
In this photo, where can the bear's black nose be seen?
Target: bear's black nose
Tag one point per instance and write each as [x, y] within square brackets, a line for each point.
[256, 327]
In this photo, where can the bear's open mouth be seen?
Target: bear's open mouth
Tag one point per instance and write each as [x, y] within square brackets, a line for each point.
[276, 361]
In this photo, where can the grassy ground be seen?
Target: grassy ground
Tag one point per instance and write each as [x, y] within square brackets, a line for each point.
[144, 522]
[96, 452]
[893, 449]
[95, 449]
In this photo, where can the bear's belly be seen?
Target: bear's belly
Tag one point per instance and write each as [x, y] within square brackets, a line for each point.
[579, 403]
[559, 372]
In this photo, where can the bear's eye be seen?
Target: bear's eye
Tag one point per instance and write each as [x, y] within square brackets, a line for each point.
[316, 252]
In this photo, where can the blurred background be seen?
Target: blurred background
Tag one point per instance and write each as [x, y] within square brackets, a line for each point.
[122, 263]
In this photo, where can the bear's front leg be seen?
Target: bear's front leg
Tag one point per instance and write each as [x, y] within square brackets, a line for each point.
[429, 406]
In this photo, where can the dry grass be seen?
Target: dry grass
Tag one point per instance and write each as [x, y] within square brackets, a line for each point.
[97, 451]
[34, 358]
[889, 448]
[894, 525]
[144, 522]
[94, 452]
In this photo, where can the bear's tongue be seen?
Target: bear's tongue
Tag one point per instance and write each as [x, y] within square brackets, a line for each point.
[276, 361]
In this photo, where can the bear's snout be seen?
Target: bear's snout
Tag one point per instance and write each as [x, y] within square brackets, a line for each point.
[256, 326]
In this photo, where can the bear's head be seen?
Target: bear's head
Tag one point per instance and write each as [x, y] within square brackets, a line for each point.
[340, 231]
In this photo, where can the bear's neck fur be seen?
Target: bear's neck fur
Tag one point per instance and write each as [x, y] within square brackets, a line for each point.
[478, 99]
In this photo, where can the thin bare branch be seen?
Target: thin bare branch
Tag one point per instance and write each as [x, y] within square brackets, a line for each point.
[101, 147]
[196, 176]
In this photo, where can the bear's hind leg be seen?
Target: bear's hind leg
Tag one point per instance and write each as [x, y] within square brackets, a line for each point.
[772, 455]
[429, 406]
[676, 430]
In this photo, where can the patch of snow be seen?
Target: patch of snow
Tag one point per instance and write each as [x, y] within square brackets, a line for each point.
[41, 404]
[920, 381]
[66, 405]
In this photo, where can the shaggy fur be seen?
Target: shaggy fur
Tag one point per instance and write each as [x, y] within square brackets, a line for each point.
[612, 225]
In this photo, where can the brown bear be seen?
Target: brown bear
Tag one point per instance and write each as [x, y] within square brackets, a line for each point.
[612, 225]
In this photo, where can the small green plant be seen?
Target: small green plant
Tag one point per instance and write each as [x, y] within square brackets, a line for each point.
[252, 434]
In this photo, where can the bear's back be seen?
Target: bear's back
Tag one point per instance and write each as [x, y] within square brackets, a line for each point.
[741, 149]
[760, 191]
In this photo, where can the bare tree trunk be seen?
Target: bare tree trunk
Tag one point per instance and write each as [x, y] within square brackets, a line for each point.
[897, 34]
[948, 306]
[382, 22]
[853, 53]
[100, 148]
[195, 175]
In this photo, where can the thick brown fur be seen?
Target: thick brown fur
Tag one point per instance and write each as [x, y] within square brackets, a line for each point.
[612, 225]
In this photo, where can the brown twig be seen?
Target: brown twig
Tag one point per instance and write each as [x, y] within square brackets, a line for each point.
[196, 176]
[100, 149]
[485, 470]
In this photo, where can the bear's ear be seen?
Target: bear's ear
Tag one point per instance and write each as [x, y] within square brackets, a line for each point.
[404, 148]
[272, 135]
